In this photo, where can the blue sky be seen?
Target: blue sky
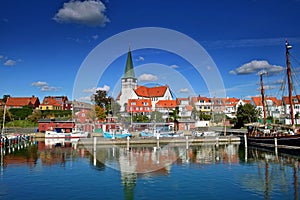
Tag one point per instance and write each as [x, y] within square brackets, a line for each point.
[43, 44]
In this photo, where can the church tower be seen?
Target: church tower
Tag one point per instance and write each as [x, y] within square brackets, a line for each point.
[129, 83]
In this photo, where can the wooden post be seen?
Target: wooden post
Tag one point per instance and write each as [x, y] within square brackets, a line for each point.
[187, 142]
[245, 140]
[128, 138]
[275, 141]
[157, 137]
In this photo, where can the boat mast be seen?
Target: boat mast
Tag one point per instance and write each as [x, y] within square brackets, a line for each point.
[263, 96]
[288, 64]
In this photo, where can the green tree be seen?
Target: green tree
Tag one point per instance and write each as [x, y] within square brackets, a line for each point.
[246, 114]
[203, 116]
[100, 113]
[140, 118]
[20, 113]
[156, 116]
[35, 116]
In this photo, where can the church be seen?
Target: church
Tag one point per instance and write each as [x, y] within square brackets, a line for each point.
[130, 90]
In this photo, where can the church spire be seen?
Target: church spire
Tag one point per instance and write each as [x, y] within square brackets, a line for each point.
[129, 72]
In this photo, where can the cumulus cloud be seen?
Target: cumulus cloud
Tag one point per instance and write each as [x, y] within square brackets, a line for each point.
[90, 13]
[174, 66]
[257, 66]
[1, 57]
[94, 89]
[140, 58]
[184, 90]
[147, 77]
[44, 87]
[10, 62]
[48, 88]
[39, 84]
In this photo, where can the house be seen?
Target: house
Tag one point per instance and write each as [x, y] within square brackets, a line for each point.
[55, 103]
[287, 105]
[19, 102]
[142, 106]
[166, 107]
[272, 105]
[58, 125]
[202, 104]
[184, 107]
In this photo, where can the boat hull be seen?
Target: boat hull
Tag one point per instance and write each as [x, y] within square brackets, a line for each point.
[293, 140]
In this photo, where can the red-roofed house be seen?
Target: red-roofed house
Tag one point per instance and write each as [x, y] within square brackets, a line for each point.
[19, 102]
[56, 103]
[139, 106]
[166, 107]
[286, 104]
[273, 106]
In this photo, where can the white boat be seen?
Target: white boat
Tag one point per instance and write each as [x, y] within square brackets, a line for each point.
[73, 134]
[205, 133]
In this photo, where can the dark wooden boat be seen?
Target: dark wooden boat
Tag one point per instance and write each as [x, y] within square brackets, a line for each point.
[287, 137]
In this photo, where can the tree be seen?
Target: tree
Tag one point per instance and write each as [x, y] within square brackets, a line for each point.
[156, 116]
[203, 116]
[35, 116]
[100, 113]
[246, 114]
[140, 118]
[20, 113]
[101, 99]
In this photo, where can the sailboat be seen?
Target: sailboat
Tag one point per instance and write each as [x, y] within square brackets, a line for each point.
[289, 139]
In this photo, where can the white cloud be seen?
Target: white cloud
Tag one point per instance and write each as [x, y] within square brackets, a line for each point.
[90, 12]
[44, 87]
[184, 90]
[1, 57]
[10, 62]
[174, 66]
[94, 89]
[256, 66]
[140, 58]
[86, 98]
[39, 84]
[47, 88]
[232, 72]
[147, 77]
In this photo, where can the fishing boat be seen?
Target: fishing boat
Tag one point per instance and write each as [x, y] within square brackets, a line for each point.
[60, 133]
[113, 135]
[279, 136]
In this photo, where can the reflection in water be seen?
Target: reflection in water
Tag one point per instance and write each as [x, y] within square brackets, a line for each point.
[256, 172]
[274, 172]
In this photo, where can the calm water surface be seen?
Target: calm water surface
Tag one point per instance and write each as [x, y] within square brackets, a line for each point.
[43, 171]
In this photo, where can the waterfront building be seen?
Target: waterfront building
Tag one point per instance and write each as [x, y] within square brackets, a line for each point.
[166, 107]
[19, 102]
[272, 104]
[202, 104]
[140, 106]
[56, 103]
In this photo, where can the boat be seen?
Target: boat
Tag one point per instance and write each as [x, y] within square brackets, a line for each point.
[113, 135]
[279, 136]
[60, 133]
[205, 133]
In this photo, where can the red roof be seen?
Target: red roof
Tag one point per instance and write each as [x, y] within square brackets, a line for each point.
[296, 100]
[166, 104]
[257, 101]
[144, 91]
[22, 101]
[54, 101]
[140, 102]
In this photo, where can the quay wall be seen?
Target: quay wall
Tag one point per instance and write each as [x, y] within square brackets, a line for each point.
[167, 140]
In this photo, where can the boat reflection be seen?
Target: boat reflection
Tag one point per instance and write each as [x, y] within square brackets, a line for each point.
[274, 172]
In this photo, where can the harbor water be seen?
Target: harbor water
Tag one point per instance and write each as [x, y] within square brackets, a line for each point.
[59, 169]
